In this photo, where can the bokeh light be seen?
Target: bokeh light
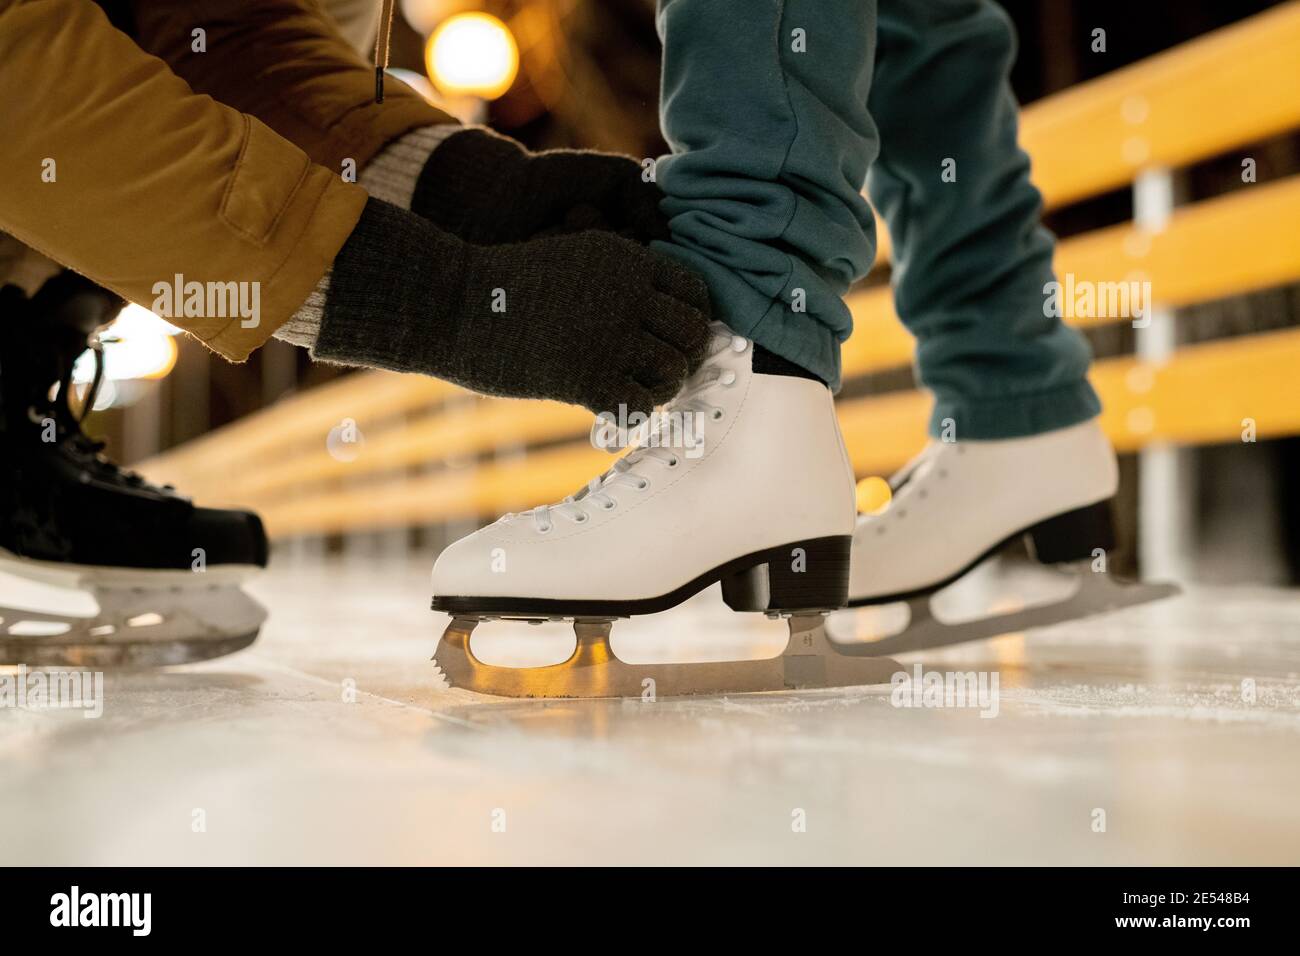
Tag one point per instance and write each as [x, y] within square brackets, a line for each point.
[874, 495]
[137, 344]
[472, 54]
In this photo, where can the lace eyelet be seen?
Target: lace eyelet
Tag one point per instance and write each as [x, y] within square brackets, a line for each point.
[609, 506]
[581, 518]
[545, 530]
[674, 462]
[728, 378]
[717, 415]
[643, 484]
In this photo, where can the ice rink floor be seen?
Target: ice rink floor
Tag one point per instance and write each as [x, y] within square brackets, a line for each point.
[1168, 735]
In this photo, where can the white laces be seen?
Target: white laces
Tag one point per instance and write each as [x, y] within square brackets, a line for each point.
[654, 441]
[914, 476]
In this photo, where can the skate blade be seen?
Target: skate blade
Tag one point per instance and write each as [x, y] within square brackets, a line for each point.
[90, 577]
[1096, 593]
[593, 670]
[135, 628]
[136, 655]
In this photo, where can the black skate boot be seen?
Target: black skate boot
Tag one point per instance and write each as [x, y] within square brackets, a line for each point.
[165, 575]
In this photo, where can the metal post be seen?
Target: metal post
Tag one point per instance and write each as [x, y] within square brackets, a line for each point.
[1166, 493]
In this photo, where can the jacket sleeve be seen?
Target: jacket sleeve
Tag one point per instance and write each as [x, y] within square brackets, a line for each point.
[111, 165]
[285, 62]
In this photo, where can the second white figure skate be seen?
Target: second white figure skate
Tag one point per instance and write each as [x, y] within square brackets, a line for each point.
[960, 503]
[744, 480]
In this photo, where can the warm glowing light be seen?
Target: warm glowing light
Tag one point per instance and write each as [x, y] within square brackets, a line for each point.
[873, 495]
[472, 54]
[140, 356]
[137, 344]
[135, 319]
[160, 361]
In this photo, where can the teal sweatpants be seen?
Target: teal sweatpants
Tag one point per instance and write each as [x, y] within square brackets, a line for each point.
[778, 111]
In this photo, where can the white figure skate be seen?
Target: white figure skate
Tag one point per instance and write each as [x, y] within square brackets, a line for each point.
[743, 479]
[960, 503]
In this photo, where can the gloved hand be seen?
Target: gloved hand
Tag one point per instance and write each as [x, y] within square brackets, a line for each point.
[588, 318]
[488, 189]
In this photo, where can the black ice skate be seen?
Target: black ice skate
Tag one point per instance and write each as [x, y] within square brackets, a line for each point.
[165, 575]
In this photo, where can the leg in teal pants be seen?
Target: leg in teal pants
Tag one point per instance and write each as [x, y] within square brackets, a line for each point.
[777, 110]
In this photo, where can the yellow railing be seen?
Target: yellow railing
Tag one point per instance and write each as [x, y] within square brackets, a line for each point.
[433, 453]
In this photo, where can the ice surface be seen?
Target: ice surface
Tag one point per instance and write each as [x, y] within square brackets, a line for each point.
[1174, 726]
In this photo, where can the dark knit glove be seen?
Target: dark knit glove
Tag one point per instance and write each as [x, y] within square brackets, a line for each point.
[487, 188]
[588, 318]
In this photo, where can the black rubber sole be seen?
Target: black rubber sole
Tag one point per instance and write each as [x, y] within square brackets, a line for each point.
[1073, 535]
[802, 576]
[1070, 536]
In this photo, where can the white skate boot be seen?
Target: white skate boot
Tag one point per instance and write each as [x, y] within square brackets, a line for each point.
[743, 479]
[959, 503]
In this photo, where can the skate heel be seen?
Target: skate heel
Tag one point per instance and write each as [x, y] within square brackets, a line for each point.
[1073, 535]
[805, 575]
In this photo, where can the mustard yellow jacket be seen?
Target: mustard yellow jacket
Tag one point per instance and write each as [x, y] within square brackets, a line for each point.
[217, 156]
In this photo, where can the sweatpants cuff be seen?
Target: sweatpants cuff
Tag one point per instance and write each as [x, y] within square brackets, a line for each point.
[801, 337]
[1015, 416]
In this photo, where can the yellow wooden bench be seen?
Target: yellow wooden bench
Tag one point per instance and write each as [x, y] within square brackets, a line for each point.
[433, 453]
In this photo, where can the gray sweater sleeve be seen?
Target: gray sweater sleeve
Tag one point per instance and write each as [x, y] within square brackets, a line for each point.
[391, 177]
